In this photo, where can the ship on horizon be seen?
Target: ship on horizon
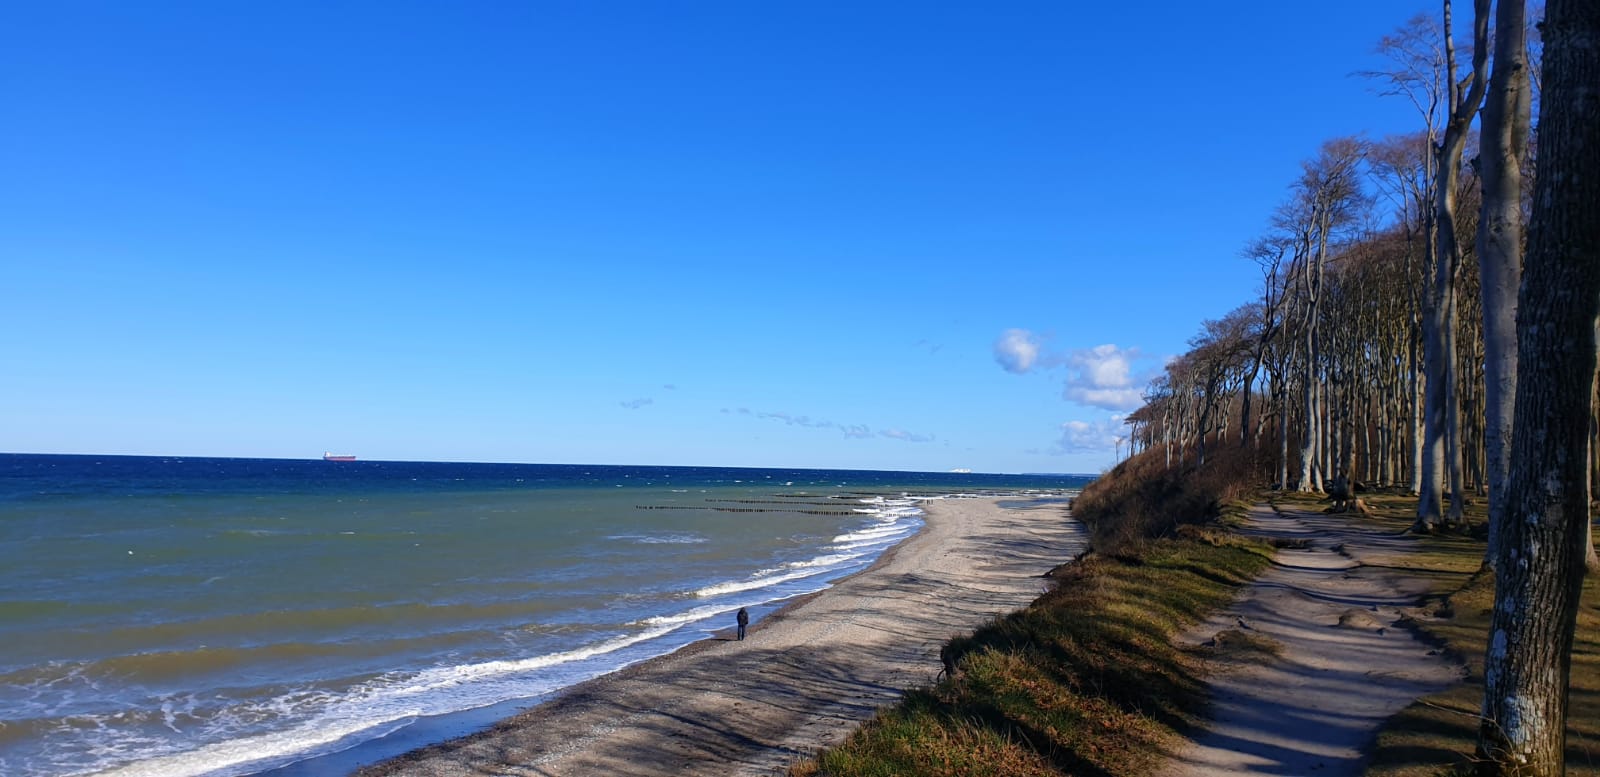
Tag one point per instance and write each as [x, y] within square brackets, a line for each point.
[328, 456]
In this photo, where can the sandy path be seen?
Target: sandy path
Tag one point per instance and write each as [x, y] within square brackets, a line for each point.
[1344, 668]
[801, 680]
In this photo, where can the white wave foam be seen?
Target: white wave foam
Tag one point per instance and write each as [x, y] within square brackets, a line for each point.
[388, 701]
[737, 586]
[872, 535]
[689, 616]
[660, 539]
[329, 721]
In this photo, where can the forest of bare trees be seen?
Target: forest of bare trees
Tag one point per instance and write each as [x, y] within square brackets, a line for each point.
[1426, 321]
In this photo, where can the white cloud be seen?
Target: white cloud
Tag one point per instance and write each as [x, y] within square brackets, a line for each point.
[635, 404]
[851, 431]
[901, 434]
[1017, 350]
[1098, 436]
[1102, 377]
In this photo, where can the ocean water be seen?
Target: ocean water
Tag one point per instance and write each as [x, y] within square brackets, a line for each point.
[171, 616]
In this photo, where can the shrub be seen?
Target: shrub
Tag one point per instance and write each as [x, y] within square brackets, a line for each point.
[1142, 499]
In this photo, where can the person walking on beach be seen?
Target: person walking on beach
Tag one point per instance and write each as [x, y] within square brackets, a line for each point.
[744, 620]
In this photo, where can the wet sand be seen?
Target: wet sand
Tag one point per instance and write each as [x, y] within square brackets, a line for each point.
[802, 680]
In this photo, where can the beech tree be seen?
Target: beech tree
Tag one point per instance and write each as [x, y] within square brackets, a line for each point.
[1543, 530]
[1503, 149]
[1441, 458]
[1402, 168]
[1425, 72]
[1326, 199]
[1267, 253]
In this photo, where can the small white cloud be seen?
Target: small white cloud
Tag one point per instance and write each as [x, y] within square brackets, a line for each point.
[670, 386]
[1099, 436]
[901, 434]
[850, 431]
[1017, 350]
[1106, 399]
[1102, 377]
[635, 404]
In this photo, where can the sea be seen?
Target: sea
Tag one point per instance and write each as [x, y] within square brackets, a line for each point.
[208, 616]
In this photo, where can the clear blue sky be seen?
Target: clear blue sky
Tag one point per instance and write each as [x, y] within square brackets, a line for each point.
[864, 235]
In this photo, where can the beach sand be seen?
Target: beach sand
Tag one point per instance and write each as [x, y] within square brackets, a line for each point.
[802, 680]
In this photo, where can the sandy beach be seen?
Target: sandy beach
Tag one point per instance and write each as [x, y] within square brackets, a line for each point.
[803, 679]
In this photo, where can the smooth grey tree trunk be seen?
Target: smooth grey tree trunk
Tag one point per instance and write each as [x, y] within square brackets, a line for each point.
[1539, 571]
[1455, 510]
[1283, 436]
[1415, 436]
[1310, 478]
[1504, 134]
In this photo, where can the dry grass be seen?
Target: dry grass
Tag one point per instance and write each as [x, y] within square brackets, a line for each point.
[1142, 498]
[1085, 681]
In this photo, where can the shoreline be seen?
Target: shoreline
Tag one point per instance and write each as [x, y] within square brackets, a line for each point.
[808, 674]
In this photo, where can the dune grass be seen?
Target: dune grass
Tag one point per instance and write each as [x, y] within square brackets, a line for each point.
[1084, 681]
[1435, 737]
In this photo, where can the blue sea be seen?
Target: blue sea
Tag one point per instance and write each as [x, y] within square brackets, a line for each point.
[202, 616]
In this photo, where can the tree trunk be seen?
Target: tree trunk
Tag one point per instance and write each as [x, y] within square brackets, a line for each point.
[1539, 569]
[1430, 504]
[1283, 436]
[1415, 428]
[1591, 560]
[1455, 509]
[1244, 406]
[1441, 417]
[1504, 145]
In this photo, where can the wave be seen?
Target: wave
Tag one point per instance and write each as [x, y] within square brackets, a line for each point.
[897, 519]
[660, 539]
[874, 534]
[324, 717]
[766, 581]
[260, 629]
[327, 721]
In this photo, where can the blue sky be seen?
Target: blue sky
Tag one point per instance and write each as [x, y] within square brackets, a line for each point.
[912, 236]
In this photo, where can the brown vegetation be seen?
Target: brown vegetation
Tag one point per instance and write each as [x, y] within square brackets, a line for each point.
[1086, 680]
[1143, 499]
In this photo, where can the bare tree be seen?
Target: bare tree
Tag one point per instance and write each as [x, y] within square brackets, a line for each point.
[1327, 197]
[1504, 145]
[1425, 72]
[1403, 169]
[1441, 433]
[1267, 253]
[1539, 569]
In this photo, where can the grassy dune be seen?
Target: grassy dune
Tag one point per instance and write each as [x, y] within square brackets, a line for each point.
[1086, 680]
